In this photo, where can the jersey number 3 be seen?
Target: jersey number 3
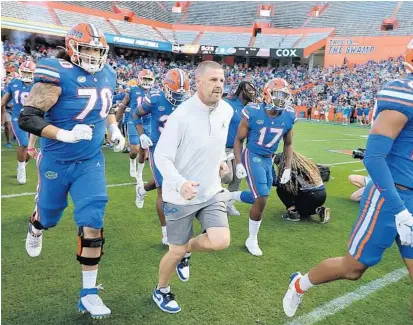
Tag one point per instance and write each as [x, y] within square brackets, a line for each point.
[278, 133]
[92, 95]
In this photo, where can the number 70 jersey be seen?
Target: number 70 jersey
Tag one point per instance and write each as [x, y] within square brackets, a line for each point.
[85, 99]
[265, 132]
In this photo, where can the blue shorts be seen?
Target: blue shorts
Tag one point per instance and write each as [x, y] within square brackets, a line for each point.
[22, 137]
[84, 180]
[259, 173]
[375, 229]
[133, 134]
[155, 171]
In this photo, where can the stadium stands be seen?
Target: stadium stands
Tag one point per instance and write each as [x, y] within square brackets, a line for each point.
[229, 13]
[26, 11]
[367, 21]
[185, 37]
[225, 39]
[147, 9]
[137, 30]
[68, 19]
[276, 40]
[311, 39]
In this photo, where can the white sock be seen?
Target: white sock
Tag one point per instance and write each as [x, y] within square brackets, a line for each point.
[164, 234]
[165, 290]
[89, 279]
[187, 254]
[236, 195]
[21, 165]
[254, 227]
[140, 170]
[132, 162]
[305, 283]
[141, 191]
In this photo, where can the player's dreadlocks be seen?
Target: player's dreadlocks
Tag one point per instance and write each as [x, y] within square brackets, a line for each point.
[301, 168]
[242, 88]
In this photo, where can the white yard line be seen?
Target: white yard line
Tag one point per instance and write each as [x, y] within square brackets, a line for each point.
[344, 163]
[338, 304]
[359, 170]
[329, 140]
[8, 196]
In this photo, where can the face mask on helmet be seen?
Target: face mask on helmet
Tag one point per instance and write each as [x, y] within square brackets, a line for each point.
[88, 62]
[26, 76]
[279, 100]
[147, 82]
[175, 97]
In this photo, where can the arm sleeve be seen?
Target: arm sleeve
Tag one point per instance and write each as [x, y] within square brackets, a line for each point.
[377, 149]
[165, 153]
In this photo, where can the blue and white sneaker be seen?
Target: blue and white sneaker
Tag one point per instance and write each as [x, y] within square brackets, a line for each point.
[8, 145]
[90, 302]
[292, 298]
[182, 269]
[166, 300]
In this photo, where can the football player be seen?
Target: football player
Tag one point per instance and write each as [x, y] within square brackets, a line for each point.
[160, 104]
[129, 105]
[386, 207]
[244, 94]
[263, 125]
[17, 91]
[69, 106]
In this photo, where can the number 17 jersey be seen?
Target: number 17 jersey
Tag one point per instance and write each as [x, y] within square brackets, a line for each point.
[85, 99]
[265, 132]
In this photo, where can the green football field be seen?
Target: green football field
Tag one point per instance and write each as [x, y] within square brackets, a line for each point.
[228, 287]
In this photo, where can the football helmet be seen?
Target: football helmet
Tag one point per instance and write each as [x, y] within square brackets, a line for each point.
[408, 57]
[146, 79]
[26, 71]
[176, 86]
[86, 36]
[276, 94]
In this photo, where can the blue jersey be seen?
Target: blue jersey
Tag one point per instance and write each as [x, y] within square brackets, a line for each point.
[18, 91]
[237, 106]
[360, 111]
[265, 132]
[160, 108]
[136, 96]
[366, 111]
[85, 99]
[397, 95]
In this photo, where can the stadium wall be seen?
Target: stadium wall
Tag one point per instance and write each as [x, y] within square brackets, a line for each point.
[358, 50]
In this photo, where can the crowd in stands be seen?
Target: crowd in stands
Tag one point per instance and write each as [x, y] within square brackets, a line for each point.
[335, 87]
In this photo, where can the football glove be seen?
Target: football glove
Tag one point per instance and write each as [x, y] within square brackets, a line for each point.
[286, 176]
[78, 133]
[146, 142]
[404, 225]
[240, 171]
[116, 137]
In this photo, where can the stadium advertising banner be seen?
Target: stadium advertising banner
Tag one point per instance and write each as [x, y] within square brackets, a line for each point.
[357, 50]
[220, 50]
[286, 53]
[138, 43]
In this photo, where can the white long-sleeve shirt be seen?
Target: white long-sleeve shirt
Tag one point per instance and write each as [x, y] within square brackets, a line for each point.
[192, 147]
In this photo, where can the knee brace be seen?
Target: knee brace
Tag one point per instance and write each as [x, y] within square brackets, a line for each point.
[92, 243]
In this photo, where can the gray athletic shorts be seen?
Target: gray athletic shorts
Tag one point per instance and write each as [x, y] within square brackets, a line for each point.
[179, 218]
